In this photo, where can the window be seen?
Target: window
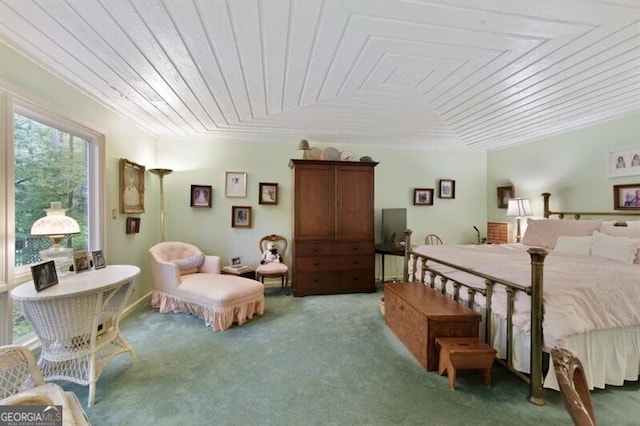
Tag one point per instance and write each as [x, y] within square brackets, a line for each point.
[54, 161]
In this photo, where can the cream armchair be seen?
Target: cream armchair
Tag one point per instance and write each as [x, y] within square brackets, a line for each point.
[21, 383]
[186, 280]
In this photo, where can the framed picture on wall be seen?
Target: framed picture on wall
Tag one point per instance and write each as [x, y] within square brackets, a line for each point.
[625, 162]
[133, 225]
[423, 196]
[447, 188]
[268, 193]
[235, 184]
[504, 193]
[131, 187]
[626, 197]
[201, 195]
[241, 217]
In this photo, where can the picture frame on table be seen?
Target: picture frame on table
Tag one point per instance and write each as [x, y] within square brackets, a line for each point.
[236, 261]
[423, 196]
[201, 196]
[133, 225]
[81, 262]
[504, 194]
[447, 189]
[235, 184]
[44, 275]
[99, 261]
[240, 216]
[268, 193]
[624, 162]
[131, 187]
[626, 197]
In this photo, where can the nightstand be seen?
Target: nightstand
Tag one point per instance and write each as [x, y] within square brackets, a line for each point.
[499, 233]
[247, 273]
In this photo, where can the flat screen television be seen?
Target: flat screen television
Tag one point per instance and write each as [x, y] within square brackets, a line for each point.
[394, 223]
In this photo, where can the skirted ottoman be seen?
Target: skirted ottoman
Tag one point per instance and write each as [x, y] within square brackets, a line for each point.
[220, 300]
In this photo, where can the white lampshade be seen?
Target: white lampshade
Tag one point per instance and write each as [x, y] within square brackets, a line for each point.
[55, 223]
[519, 207]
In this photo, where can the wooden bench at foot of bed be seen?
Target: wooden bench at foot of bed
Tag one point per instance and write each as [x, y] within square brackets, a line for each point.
[417, 315]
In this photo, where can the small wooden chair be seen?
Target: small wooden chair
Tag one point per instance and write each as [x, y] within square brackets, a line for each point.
[574, 389]
[274, 270]
[432, 239]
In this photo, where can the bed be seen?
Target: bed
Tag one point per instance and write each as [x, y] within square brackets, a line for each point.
[578, 280]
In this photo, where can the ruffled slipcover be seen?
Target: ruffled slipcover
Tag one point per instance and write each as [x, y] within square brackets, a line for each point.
[220, 300]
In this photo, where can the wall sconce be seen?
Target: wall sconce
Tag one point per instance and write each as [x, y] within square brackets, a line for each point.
[519, 207]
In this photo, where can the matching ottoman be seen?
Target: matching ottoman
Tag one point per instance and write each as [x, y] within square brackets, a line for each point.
[220, 300]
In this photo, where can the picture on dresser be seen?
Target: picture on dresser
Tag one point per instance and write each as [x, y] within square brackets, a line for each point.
[44, 275]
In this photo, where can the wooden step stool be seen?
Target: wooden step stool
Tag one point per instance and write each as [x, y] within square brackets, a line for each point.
[465, 353]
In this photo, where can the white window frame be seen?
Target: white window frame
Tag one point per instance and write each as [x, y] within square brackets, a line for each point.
[10, 275]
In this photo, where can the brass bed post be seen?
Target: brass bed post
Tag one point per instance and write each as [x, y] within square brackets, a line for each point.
[547, 212]
[407, 249]
[537, 255]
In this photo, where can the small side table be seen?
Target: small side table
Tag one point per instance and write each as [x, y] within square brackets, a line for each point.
[246, 273]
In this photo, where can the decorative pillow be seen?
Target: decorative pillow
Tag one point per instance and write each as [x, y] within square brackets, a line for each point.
[189, 265]
[545, 232]
[574, 245]
[620, 231]
[620, 249]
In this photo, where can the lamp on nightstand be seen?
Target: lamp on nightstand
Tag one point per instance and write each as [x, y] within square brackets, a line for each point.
[518, 208]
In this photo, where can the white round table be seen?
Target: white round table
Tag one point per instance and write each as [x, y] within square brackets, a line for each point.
[77, 322]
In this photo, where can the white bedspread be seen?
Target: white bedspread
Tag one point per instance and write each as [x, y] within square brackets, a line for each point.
[581, 293]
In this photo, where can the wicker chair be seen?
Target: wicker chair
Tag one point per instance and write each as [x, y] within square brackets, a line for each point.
[21, 383]
[574, 389]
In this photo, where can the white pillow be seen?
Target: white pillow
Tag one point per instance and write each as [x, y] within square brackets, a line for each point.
[574, 245]
[620, 231]
[620, 249]
[190, 264]
[545, 232]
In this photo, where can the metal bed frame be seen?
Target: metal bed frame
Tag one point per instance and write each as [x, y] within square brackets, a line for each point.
[535, 291]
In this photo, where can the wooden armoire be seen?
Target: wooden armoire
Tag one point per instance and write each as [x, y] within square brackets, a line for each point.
[333, 235]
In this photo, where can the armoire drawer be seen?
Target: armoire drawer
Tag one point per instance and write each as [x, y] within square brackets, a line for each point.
[314, 249]
[355, 262]
[314, 263]
[355, 248]
[314, 280]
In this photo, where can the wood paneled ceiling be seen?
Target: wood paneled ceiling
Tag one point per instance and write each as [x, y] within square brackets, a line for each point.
[447, 74]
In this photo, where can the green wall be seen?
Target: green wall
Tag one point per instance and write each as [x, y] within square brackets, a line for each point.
[573, 167]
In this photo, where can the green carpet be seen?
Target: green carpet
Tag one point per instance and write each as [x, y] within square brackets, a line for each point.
[318, 360]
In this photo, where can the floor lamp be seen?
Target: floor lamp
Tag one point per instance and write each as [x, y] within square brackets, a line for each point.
[161, 173]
